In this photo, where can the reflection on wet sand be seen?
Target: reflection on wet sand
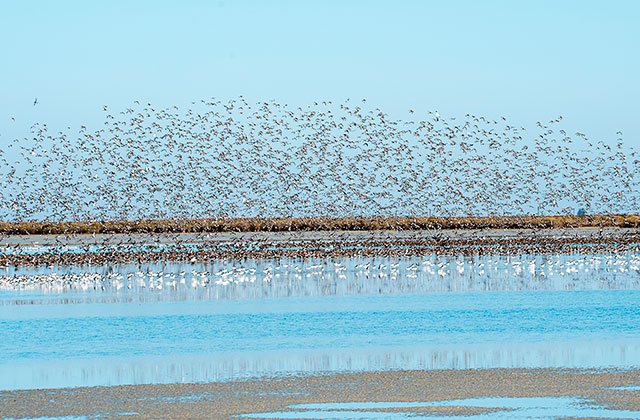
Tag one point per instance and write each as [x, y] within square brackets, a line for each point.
[489, 407]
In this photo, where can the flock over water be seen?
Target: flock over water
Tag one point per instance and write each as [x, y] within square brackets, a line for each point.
[267, 159]
[182, 307]
[286, 278]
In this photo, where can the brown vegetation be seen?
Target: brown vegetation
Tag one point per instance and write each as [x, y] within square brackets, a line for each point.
[317, 224]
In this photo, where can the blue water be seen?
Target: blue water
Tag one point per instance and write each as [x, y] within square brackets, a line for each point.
[425, 319]
[321, 318]
[509, 408]
[72, 345]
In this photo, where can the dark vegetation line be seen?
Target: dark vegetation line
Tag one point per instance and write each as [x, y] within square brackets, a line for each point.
[317, 224]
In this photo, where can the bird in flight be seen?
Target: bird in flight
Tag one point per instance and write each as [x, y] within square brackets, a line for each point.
[271, 159]
[35, 102]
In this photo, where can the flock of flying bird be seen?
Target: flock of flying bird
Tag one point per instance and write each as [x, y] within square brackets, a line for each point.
[240, 159]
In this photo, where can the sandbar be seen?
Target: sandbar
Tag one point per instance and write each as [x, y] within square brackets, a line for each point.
[611, 389]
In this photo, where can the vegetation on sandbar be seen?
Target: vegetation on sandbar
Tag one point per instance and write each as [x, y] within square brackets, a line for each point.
[317, 224]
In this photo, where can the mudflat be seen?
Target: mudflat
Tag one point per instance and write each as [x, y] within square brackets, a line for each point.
[602, 389]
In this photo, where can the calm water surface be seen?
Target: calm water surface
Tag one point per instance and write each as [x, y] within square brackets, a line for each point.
[155, 323]
[509, 408]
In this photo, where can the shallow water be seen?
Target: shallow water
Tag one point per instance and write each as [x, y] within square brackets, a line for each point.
[260, 279]
[509, 408]
[66, 327]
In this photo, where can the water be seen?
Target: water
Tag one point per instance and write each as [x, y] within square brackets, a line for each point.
[251, 279]
[509, 408]
[174, 323]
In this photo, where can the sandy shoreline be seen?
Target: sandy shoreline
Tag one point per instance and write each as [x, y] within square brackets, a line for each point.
[224, 399]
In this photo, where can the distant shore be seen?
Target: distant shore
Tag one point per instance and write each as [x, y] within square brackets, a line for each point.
[221, 225]
[603, 390]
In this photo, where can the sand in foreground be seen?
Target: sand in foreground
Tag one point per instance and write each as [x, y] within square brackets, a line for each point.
[224, 399]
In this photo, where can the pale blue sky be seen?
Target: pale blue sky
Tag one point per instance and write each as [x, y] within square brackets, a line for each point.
[528, 61]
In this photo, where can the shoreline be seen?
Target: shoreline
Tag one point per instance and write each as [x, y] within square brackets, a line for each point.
[613, 389]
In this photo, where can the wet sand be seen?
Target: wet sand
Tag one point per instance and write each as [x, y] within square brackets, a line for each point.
[224, 399]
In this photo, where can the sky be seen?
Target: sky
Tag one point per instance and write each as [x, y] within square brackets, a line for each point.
[526, 60]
